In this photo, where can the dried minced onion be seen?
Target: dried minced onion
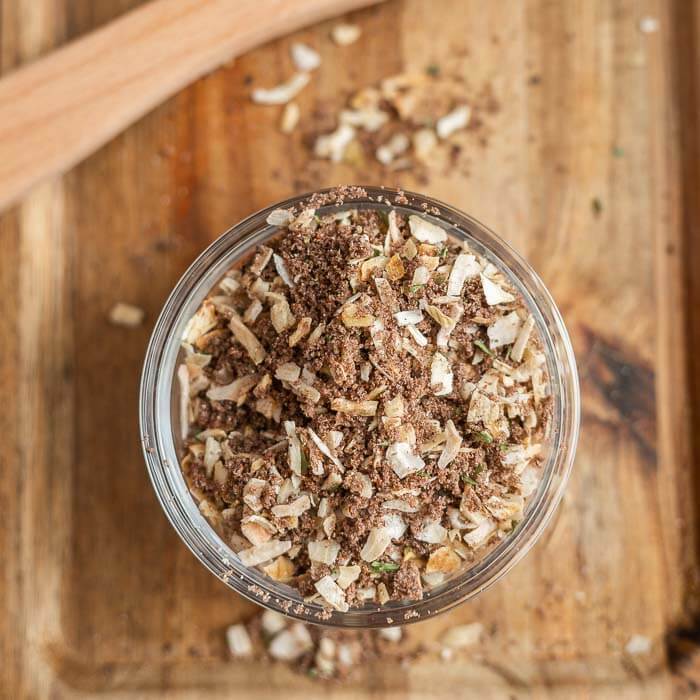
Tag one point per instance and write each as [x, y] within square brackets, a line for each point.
[504, 330]
[455, 120]
[281, 569]
[376, 543]
[432, 532]
[462, 636]
[482, 407]
[127, 315]
[304, 57]
[290, 644]
[282, 93]
[354, 317]
[395, 525]
[280, 314]
[480, 535]
[403, 459]
[253, 311]
[493, 293]
[348, 575]
[355, 408]
[443, 560]
[288, 372]
[520, 343]
[315, 334]
[397, 504]
[505, 509]
[421, 275]
[257, 530]
[424, 144]
[202, 322]
[441, 376]
[183, 377]
[263, 552]
[399, 143]
[252, 492]
[325, 450]
[212, 453]
[282, 271]
[238, 640]
[464, 266]
[236, 391]
[385, 293]
[300, 332]
[359, 483]
[529, 481]
[332, 593]
[323, 551]
[333, 145]
[296, 507]
[442, 319]
[455, 313]
[345, 34]
[420, 339]
[394, 407]
[294, 447]
[369, 119]
[409, 317]
[247, 339]
[372, 266]
[273, 622]
[424, 231]
[453, 441]
[290, 118]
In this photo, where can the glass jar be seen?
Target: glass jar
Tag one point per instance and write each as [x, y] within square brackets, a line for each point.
[160, 420]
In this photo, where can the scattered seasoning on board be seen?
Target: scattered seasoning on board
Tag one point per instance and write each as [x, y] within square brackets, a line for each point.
[326, 653]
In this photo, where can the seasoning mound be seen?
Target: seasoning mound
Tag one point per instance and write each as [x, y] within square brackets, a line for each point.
[364, 405]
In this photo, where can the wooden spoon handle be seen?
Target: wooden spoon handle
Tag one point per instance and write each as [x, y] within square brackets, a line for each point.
[59, 109]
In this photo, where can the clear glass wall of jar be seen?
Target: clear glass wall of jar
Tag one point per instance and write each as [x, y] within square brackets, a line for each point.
[160, 434]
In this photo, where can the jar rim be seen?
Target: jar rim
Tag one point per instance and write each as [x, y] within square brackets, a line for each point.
[162, 458]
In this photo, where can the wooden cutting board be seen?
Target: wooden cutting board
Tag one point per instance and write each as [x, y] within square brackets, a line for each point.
[587, 163]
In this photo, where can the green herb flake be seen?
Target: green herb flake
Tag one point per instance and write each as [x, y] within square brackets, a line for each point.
[304, 462]
[433, 70]
[376, 253]
[444, 252]
[618, 152]
[415, 287]
[503, 446]
[384, 567]
[468, 480]
[479, 468]
[597, 206]
[485, 436]
[479, 344]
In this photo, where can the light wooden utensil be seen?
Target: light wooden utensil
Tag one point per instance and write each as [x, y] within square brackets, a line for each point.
[61, 108]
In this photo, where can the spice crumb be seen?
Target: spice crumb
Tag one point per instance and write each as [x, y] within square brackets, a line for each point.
[127, 315]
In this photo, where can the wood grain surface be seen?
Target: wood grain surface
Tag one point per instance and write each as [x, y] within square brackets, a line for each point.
[54, 112]
[588, 164]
